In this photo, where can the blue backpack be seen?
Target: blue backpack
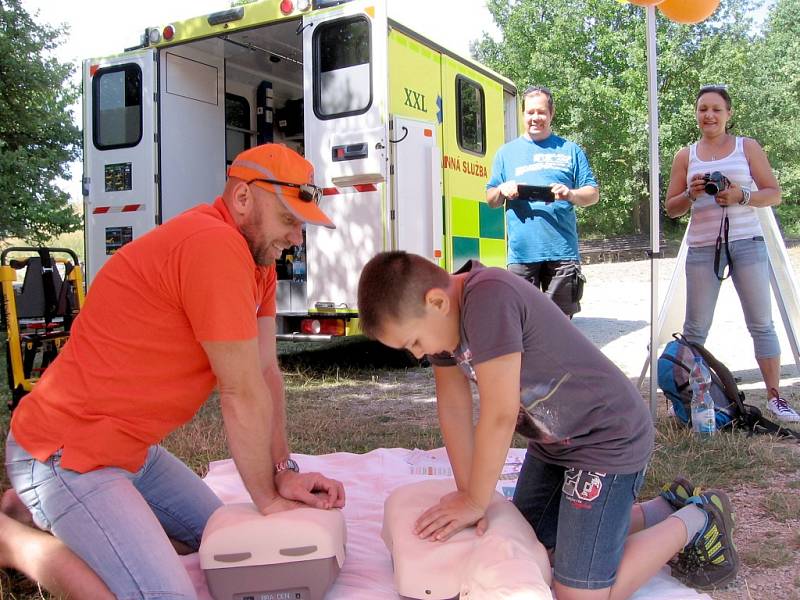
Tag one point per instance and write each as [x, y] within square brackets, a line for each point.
[674, 366]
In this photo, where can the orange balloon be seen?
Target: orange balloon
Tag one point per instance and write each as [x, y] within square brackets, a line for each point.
[646, 2]
[688, 11]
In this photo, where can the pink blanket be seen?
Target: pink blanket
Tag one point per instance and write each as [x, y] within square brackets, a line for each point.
[368, 479]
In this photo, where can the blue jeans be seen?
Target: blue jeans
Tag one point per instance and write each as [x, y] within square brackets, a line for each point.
[584, 515]
[750, 276]
[120, 523]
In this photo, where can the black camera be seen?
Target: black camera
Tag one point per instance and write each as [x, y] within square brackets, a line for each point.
[715, 183]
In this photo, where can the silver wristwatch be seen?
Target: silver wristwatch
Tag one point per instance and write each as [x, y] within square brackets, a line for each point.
[745, 197]
[286, 465]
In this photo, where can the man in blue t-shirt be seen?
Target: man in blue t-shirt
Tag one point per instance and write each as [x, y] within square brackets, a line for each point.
[542, 234]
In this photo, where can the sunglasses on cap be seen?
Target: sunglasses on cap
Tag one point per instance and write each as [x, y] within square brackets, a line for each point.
[308, 191]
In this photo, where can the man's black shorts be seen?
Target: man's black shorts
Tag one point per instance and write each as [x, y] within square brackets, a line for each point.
[562, 280]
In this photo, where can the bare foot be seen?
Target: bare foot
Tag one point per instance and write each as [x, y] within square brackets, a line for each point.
[11, 505]
[13, 536]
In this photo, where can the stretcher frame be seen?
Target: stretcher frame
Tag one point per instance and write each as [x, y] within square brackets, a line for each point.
[33, 341]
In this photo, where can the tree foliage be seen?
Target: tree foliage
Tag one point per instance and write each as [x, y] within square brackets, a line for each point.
[38, 139]
[592, 54]
[770, 101]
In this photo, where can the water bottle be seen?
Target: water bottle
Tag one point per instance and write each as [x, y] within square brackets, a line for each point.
[299, 265]
[703, 417]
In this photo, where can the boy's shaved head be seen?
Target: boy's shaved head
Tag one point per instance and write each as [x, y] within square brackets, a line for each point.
[393, 286]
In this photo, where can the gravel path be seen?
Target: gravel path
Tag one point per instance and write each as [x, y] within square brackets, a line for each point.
[616, 317]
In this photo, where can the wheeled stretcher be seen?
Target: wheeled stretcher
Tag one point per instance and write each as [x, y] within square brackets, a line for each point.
[38, 313]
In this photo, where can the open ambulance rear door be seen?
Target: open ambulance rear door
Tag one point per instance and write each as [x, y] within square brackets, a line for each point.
[346, 139]
[120, 189]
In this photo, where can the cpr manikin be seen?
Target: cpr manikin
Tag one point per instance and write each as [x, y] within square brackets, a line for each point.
[506, 563]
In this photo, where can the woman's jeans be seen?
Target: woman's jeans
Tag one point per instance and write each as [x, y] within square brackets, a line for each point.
[120, 523]
[750, 274]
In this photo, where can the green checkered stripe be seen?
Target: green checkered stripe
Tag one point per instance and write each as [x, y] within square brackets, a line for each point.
[478, 232]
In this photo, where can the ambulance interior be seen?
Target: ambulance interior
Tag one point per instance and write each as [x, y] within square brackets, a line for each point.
[259, 63]
[269, 55]
[223, 95]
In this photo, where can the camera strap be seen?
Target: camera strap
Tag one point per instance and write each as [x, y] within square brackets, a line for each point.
[724, 226]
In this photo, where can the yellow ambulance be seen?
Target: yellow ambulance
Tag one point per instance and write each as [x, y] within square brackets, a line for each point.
[400, 130]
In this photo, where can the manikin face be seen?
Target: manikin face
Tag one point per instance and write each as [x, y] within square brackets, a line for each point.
[269, 227]
[434, 332]
[712, 114]
[537, 117]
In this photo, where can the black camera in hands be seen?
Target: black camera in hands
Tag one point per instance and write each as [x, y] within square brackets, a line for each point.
[715, 182]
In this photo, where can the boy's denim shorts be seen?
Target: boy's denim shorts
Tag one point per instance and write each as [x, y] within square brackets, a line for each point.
[584, 515]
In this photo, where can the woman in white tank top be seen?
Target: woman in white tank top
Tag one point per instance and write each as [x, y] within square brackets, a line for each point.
[743, 252]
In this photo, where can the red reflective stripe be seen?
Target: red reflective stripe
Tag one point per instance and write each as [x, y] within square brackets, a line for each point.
[364, 187]
[93, 70]
[100, 210]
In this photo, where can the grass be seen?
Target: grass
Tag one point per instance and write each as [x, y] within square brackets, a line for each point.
[387, 401]
[726, 460]
[781, 506]
[794, 542]
[768, 553]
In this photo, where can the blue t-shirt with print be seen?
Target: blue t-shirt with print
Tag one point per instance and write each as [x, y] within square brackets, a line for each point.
[540, 231]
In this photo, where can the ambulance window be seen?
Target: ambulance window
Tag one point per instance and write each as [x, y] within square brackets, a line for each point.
[237, 126]
[117, 101]
[471, 116]
[342, 68]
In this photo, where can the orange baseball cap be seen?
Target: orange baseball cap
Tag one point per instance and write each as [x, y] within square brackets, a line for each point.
[288, 175]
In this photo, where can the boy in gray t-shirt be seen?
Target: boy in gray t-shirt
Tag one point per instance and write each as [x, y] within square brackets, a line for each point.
[590, 432]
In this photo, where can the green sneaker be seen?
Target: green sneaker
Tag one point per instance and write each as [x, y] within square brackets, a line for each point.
[710, 560]
[679, 491]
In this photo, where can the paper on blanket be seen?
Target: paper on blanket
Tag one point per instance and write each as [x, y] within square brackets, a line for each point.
[435, 463]
[429, 462]
[368, 480]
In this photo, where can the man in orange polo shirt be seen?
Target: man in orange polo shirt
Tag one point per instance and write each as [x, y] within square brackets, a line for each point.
[186, 307]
